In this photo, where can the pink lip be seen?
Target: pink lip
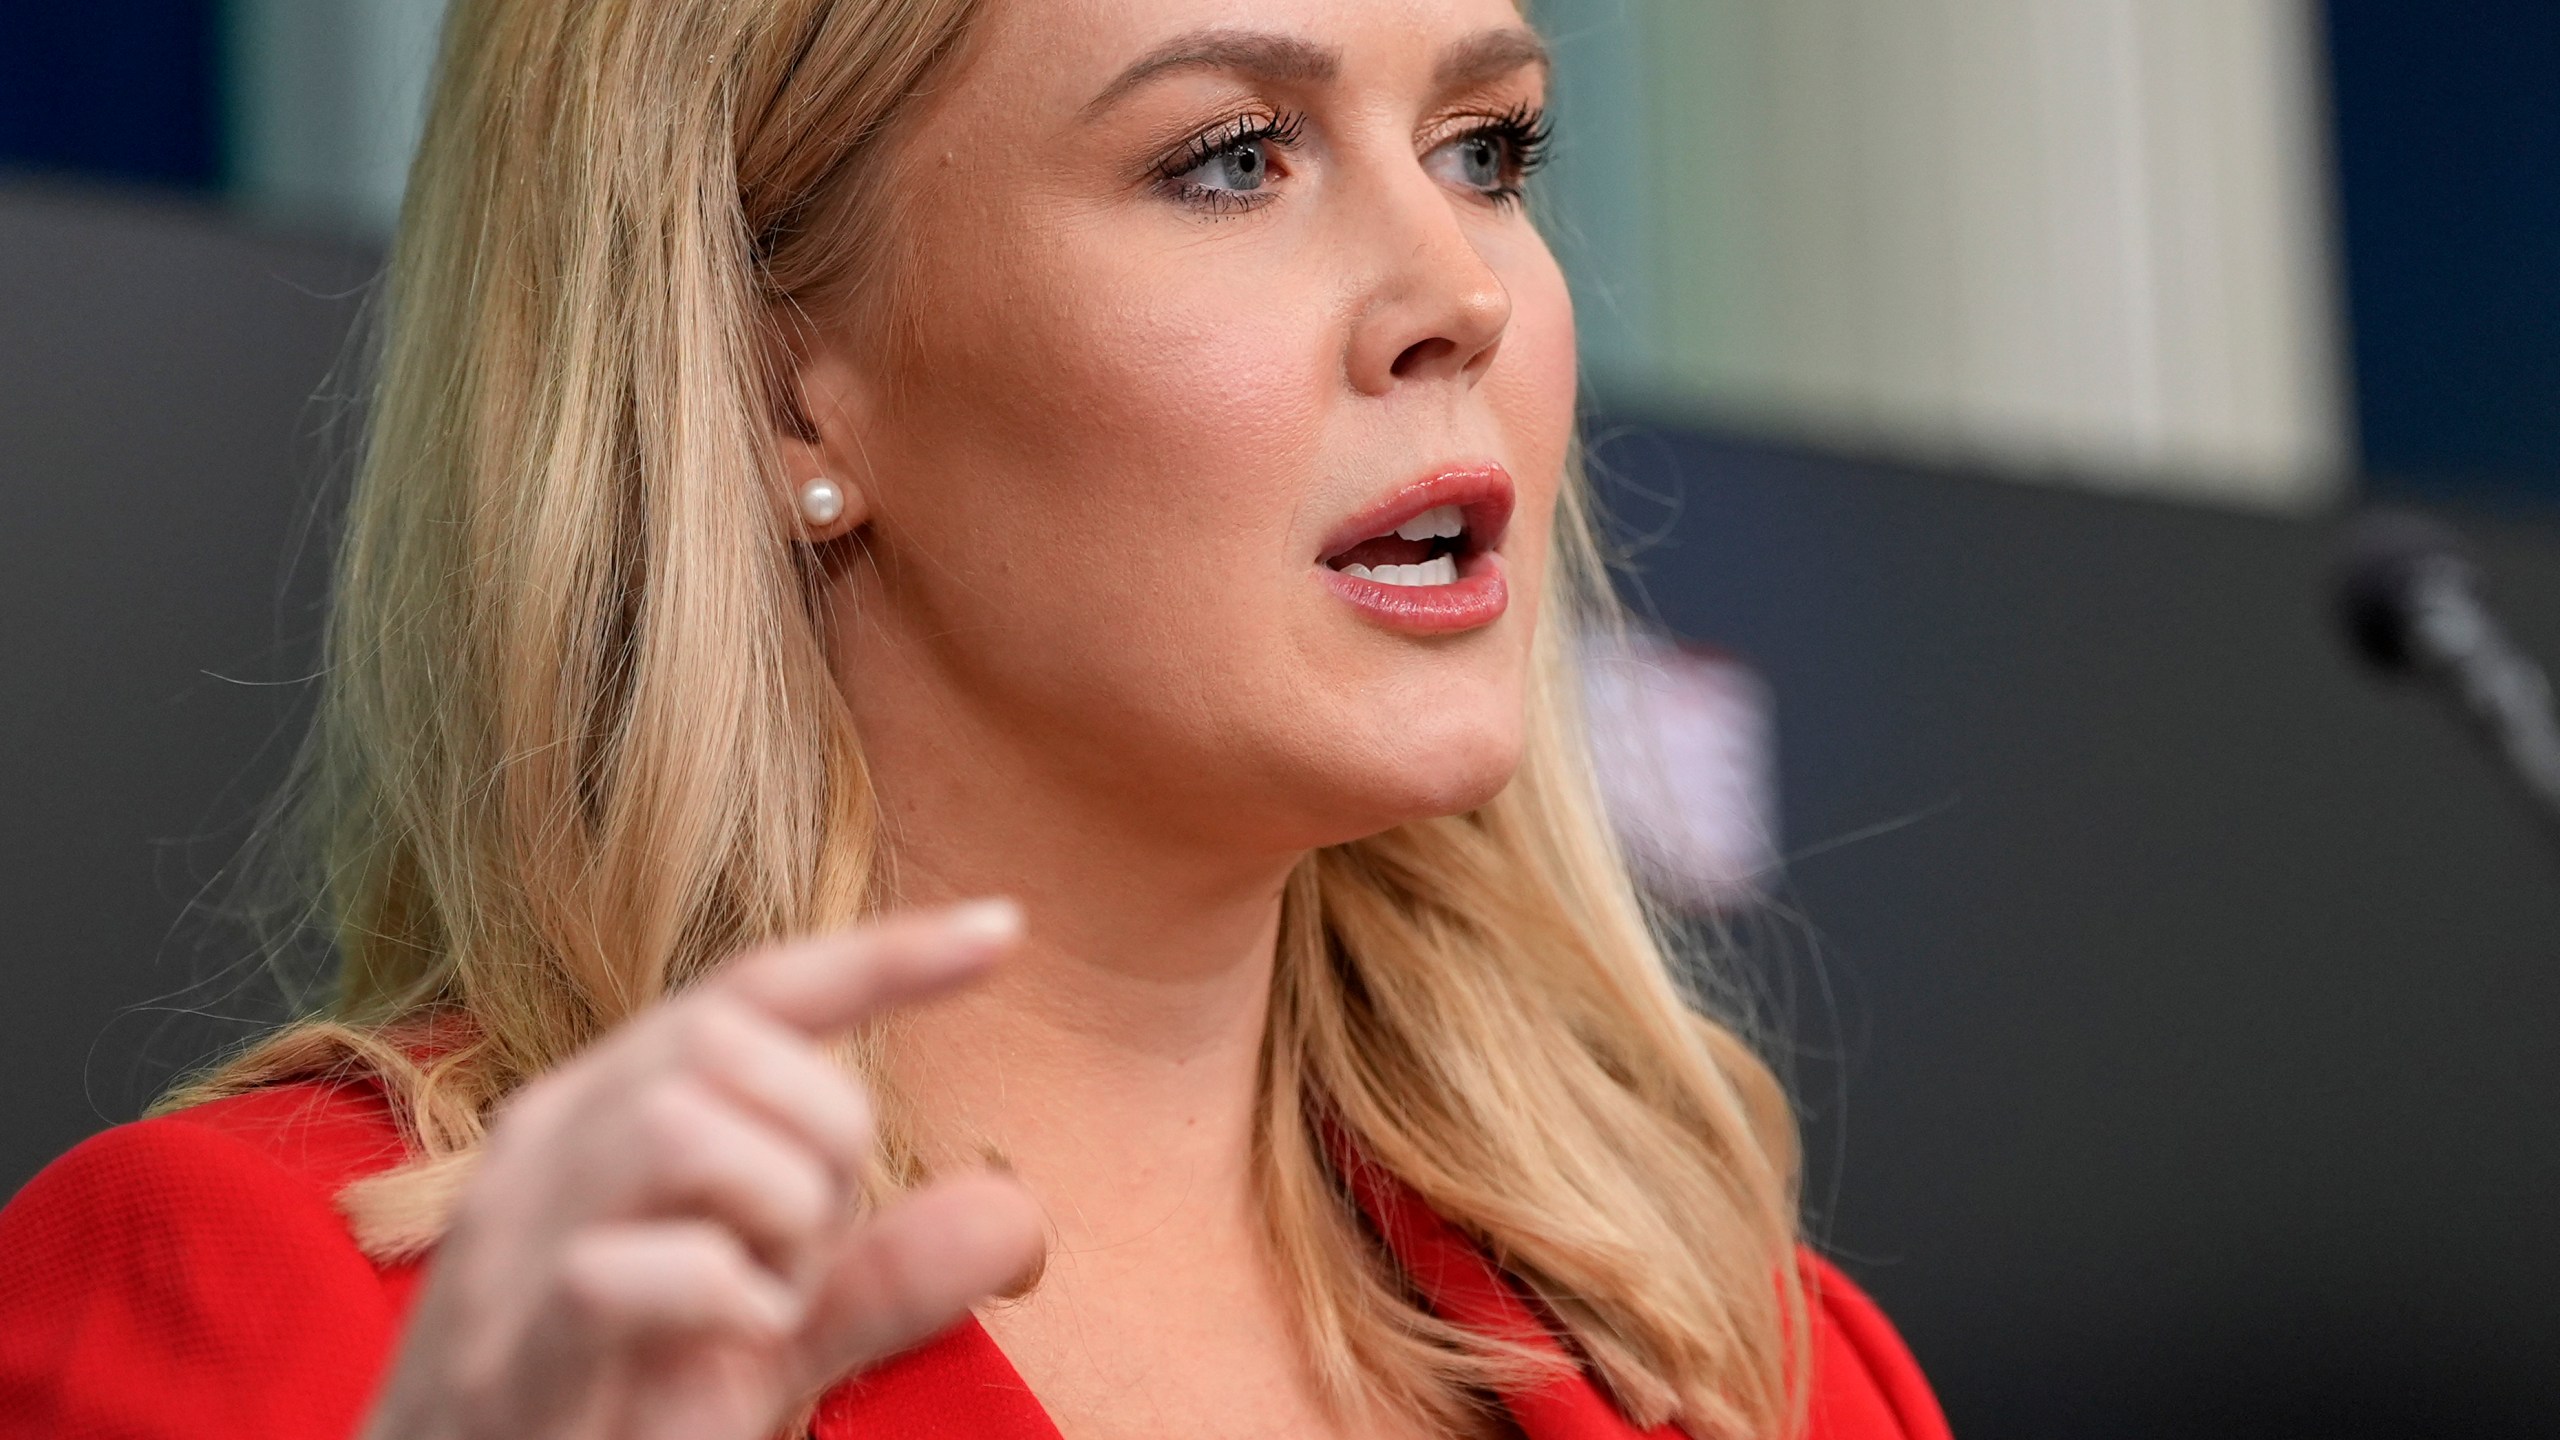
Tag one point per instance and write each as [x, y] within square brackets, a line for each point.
[1485, 494]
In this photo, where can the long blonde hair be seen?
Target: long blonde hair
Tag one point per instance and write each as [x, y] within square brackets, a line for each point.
[579, 740]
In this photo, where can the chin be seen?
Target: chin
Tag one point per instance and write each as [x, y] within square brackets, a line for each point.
[1427, 776]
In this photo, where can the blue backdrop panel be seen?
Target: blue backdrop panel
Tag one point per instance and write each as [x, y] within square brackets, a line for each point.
[129, 89]
[2448, 125]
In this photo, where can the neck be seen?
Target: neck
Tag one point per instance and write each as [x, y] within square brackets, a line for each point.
[1114, 1061]
[1115, 1055]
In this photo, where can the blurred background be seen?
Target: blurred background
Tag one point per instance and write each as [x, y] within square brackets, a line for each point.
[1977, 387]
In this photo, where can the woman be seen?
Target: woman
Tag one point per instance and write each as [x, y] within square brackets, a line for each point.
[836, 458]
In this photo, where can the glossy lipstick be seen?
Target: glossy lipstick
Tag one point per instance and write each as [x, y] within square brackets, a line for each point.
[1483, 496]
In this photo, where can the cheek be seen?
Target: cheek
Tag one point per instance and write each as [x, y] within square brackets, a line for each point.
[1118, 408]
[1094, 483]
[1533, 383]
[1530, 394]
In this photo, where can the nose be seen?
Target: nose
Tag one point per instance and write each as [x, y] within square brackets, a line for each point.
[1433, 309]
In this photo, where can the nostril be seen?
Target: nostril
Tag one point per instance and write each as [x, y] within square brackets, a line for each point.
[1422, 356]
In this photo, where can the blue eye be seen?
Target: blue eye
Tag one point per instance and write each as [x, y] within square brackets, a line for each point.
[1232, 166]
[1241, 168]
[1496, 156]
[1480, 160]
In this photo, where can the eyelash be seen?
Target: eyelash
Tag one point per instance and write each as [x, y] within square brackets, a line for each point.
[1525, 130]
[1282, 130]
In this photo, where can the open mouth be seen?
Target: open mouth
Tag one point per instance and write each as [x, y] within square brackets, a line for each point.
[1428, 559]
[1428, 549]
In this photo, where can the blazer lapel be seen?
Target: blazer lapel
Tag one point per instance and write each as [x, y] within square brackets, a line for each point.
[1463, 1286]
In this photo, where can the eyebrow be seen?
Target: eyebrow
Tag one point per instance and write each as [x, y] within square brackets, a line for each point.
[1490, 55]
[1282, 58]
[1476, 60]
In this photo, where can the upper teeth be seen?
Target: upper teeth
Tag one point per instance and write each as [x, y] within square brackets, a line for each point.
[1440, 524]
[1441, 570]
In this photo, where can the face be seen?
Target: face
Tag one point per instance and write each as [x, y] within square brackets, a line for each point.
[1204, 444]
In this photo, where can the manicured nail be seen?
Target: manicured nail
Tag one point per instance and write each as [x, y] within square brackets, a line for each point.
[991, 922]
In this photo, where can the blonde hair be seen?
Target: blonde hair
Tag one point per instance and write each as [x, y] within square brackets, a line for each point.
[526, 824]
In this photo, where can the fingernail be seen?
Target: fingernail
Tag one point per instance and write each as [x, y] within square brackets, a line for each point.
[987, 921]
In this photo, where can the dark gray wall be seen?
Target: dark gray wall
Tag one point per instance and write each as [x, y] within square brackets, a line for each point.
[2178, 1067]
[159, 452]
[2184, 1065]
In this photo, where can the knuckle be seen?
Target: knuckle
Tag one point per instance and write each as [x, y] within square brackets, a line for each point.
[857, 1126]
[534, 1106]
[588, 1282]
[700, 1161]
[671, 1126]
[829, 1106]
[802, 1198]
[705, 1030]
[708, 1255]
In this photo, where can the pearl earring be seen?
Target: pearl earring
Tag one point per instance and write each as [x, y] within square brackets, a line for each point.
[821, 502]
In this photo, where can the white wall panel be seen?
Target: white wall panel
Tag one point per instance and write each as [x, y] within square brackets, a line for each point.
[332, 98]
[2078, 239]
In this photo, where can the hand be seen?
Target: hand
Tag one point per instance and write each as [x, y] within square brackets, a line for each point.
[660, 1239]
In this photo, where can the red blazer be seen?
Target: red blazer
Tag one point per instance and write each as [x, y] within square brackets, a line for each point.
[189, 1276]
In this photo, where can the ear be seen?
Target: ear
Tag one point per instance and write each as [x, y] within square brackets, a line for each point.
[818, 425]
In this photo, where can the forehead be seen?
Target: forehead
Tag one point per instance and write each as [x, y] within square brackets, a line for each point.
[1066, 52]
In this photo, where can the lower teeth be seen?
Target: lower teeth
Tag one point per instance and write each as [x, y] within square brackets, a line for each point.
[1439, 570]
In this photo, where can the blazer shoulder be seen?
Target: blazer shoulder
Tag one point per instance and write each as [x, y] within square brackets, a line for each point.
[322, 1133]
[1866, 1385]
[190, 1274]
[275, 1156]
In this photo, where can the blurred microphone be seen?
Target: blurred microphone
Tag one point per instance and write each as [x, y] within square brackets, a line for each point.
[2414, 603]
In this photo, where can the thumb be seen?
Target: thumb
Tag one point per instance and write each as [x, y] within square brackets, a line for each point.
[908, 1273]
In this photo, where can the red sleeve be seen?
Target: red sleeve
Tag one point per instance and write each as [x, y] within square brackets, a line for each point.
[173, 1279]
[1866, 1386]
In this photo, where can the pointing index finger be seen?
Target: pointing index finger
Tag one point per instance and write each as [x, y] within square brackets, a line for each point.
[835, 982]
